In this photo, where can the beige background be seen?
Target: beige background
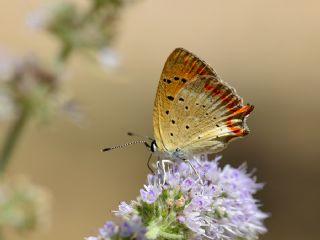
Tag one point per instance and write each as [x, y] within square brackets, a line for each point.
[267, 49]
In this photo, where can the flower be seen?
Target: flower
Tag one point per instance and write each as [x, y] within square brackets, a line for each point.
[220, 206]
[27, 85]
[40, 18]
[23, 205]
[108, 230]
[151, 193]
[109, 58]
[124, 209]
[131, 229]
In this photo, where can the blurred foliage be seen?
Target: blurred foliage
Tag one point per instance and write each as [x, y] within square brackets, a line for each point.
[29, 88]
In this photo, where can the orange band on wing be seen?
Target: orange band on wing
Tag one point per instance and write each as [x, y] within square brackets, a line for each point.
[244, 111]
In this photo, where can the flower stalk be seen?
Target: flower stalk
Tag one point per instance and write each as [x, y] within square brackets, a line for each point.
[12, 138]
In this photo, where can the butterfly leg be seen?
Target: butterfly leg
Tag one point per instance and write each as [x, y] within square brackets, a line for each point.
[148, 164]
[195, 171]
[162, 171]
[163, 163]
[159, 173]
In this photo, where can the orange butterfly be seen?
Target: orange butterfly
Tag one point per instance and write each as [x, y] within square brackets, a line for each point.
[194, 111]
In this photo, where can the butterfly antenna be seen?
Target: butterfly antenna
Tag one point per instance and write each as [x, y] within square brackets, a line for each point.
[125, 145]
[139, 135]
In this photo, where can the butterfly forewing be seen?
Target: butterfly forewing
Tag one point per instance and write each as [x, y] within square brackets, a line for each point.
[204, 113]
[181, 68]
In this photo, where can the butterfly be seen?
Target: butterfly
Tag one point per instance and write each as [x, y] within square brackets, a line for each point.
[195, 112]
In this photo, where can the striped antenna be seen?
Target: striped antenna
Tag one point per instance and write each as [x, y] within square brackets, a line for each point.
[125, 145]
[139, 135]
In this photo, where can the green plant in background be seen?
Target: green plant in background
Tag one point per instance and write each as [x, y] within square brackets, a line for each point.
[29, 89]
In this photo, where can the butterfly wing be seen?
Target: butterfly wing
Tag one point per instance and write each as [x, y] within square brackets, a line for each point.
[207, 114]
[181, 68]
[203, 115]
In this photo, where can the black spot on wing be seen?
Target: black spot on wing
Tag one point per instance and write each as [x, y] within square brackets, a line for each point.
[170, 98]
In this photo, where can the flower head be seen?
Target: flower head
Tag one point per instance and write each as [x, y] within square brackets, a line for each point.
[23, 206]
[220, 206]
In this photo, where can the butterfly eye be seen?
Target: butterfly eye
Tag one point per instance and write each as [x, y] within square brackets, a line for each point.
[153, 147]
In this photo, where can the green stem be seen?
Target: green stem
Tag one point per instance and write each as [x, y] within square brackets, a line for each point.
[1, 234]
[64, 53]
[12, 139]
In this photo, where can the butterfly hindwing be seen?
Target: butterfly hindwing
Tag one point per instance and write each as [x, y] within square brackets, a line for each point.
[207, 114]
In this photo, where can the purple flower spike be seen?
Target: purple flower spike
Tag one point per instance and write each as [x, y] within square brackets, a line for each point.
[221, 206]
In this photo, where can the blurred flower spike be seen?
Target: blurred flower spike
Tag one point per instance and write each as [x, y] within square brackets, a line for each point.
[27, 85]
[94, 28]
[23, 206]
[221, 207]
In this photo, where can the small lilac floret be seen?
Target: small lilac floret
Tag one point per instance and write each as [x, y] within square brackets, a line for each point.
[108, 230]
[187, 184]
[150, 194]
[133, 229]
[124, 209]
[125, 229]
